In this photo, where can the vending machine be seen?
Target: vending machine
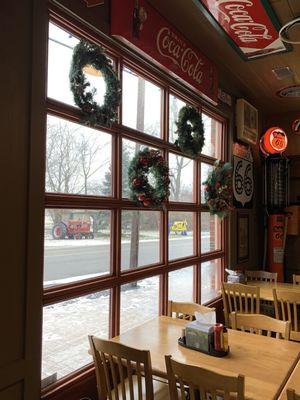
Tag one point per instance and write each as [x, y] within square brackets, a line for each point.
[276, 198]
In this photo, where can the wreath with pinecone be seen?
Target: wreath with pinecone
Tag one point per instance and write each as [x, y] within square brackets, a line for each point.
[218, 189]
[142, 192]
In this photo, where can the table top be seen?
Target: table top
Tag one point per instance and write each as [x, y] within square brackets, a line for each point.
[292, 383]
[266, 288]
[265, 362]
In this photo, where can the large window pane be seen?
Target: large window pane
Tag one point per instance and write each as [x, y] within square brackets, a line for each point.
[210, 232]
[78, 159]
[210, 280]
[213, 137]
[66, 327]
[140, 238]
[175, 105]
[205, 170]
[181, 177]
[180, 234]
[139, 302]
[129, 150]
[181, 284]
[141, 104]
[77, 245]
[60, 51]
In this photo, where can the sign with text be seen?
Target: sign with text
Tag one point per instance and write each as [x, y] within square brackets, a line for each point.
[243, 177]
[140, 25]
[250, 24]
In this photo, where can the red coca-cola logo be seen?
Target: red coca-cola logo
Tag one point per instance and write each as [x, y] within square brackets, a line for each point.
[169, 45]
[238, 15]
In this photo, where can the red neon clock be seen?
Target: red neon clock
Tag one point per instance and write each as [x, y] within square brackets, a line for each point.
[274, 141]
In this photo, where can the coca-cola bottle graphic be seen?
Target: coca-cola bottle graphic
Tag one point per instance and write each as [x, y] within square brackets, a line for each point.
[136, 20]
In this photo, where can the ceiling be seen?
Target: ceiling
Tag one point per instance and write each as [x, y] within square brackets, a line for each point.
[251, 79]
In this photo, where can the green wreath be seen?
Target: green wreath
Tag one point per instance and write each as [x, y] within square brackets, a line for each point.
[142, 192]
[89, 54]
[218, 189]
[190, 131]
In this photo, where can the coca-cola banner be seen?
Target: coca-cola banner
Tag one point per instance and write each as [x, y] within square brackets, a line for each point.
[250, 24]
[140, 25]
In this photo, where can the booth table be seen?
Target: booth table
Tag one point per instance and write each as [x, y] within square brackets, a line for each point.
[266, 288]
[266, 363]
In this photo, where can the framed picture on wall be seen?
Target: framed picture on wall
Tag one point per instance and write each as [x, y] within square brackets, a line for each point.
[242, 237]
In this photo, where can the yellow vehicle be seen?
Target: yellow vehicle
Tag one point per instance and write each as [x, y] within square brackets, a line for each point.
[179, 226]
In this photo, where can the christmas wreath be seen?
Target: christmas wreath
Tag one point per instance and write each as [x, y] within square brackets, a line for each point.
[149, 161]
[190, 131]
[89, 54]
[218, 189]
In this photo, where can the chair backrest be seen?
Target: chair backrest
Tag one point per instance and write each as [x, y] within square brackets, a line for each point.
[296, 279]
[286, 303]
[292, 395]
[240, 298]
[263, 276]
[190, 379]
[116, 366]
[261, 324]
[186, 310]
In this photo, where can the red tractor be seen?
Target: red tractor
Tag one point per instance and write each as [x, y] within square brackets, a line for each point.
[74, 229]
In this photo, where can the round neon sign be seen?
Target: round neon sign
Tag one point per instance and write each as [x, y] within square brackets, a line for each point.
[274, 141]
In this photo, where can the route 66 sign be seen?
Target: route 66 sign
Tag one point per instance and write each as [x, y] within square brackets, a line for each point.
[243, 182]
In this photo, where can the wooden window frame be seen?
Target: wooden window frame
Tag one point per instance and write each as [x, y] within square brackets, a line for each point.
[115, 203]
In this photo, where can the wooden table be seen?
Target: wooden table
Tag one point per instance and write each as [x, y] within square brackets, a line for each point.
[292, 383]
[265, 362]
[266, 288]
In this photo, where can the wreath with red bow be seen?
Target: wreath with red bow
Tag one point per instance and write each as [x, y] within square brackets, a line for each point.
[142, 192]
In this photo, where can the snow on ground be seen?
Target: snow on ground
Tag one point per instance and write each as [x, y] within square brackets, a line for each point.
[66, 325]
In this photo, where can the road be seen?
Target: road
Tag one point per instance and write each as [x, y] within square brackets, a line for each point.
[63, 262]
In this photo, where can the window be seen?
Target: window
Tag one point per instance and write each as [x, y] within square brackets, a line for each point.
[181, 284]
[211, 276]
[139, 302]
[140, 238]
[109, 264]
[141, 104]
[181, 232]
[78, 159]
[181, 176]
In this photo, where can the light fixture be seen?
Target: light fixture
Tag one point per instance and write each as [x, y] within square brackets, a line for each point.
[284, 31]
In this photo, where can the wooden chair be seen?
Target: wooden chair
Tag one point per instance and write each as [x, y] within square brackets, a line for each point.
[291, 395]
[262, 276]
[198, 383]
[286, 303]
[186, 310]
[260, 324]
[296, 279]
[240, 298]
[123, 372]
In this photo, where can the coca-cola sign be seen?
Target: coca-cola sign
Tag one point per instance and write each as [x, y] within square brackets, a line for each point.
[141, 26]
[251, 27]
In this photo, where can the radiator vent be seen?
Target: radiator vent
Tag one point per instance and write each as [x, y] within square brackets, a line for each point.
[283, 72]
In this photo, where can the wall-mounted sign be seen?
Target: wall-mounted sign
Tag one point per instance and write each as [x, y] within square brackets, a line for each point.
[138, 24]
[246, 122]
[289, 91]
[296, 126]
[224, 97]
[274, 141]
[243, 181]
[250, 25]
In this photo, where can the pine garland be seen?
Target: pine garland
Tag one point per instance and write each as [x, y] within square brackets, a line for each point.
[89, 54]
[142, 192]
[190, 131]
[218, 189]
